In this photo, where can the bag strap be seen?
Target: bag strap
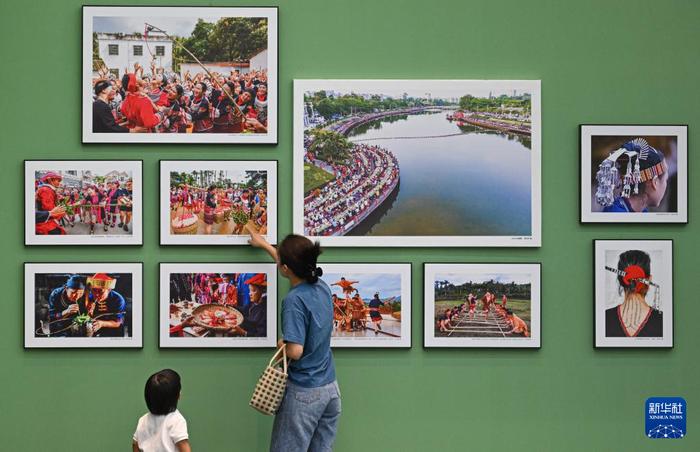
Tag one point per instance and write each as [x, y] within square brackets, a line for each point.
[276, 359]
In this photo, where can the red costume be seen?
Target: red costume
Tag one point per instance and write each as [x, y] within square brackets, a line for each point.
[45, 200]
[137, 108]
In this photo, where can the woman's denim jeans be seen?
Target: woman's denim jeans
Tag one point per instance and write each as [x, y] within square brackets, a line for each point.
[307, 420]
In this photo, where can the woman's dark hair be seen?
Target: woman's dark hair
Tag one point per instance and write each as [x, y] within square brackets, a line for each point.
[211, 187]
[300, 255]
[633, 257]
[163, 391]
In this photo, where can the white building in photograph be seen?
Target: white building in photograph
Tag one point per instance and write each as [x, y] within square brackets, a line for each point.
[259, 61]
[120, 51]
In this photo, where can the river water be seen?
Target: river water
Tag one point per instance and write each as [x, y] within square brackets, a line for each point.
[474, 183]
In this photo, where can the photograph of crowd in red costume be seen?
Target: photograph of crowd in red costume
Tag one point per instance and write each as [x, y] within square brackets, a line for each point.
[216, 308]
[387, 162]
[190, 75]
[73, 202]
[82, 305]
[207, 202]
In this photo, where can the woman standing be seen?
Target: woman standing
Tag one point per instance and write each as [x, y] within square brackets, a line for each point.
[308, 417]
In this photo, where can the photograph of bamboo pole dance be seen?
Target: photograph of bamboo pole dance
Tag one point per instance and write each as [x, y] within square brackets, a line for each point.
[482, 305]
[209, 202]
[82, 202]
[371, 304]
[417, 162]
[217, 305]
[83, 305]
[179, 75]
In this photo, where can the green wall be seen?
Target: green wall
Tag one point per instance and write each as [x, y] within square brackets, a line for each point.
[599, 61]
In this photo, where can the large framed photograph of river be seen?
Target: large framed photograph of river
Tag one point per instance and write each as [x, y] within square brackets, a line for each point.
[395, 163]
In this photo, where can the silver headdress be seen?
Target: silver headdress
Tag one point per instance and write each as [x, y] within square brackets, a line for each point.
[608, 175]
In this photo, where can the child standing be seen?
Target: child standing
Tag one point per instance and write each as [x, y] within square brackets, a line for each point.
[163, 428]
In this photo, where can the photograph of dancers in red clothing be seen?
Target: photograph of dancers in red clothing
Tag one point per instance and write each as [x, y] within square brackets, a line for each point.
[179, 75]
[83, 202]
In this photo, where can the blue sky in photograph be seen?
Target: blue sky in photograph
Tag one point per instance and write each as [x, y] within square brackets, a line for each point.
[388, 285]
[505, 278]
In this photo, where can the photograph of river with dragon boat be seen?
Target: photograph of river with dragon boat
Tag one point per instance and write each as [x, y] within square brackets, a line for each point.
[417, 162]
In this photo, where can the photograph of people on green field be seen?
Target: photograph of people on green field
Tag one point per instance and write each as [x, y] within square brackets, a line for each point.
[482, 305]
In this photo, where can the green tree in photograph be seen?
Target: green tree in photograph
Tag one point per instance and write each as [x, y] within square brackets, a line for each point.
[331, 146]
[238, 38]
[256, 179]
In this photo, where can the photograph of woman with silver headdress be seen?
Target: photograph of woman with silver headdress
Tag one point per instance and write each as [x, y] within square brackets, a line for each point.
[634, 174]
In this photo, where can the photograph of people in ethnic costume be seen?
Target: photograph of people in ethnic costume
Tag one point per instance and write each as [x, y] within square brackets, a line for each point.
[634, 293]
[371, 304]
[83, 305]
[634, 174]
[179, 74]
[482, 305]
[217, 305]
[417, 162]
[83, 202]
[208, 202]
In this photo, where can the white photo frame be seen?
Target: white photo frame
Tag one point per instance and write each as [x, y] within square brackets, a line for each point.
[598, 141]
[610, 329]
[528, 222]
[195, 336]
[44, 330]
[177, 15]
[78, 175]
[392, 283]
[233, 171]
[483, 329]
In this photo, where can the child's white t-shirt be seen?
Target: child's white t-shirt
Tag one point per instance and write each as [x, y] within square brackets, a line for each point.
[160, 433]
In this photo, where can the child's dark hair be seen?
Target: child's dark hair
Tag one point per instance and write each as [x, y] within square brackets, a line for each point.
[300, 255]
[163, 391]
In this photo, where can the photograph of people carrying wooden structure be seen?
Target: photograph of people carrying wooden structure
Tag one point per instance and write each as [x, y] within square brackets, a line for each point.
[371, 304]
[482, 305]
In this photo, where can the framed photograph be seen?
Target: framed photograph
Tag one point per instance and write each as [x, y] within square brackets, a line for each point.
[83, 305]
[634, 173]
[371, 304]
[633, 293]
[171, 74]
[218, 305]
[83, 202]
[449, 163]
[208, 202]
[483, 305]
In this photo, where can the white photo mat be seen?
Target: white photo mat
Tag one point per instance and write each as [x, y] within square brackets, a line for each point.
[165, 341]
[134, 269]
[380, 340]
[533, 270]
[166, 166]
[98, 238]
[367, 86]
[153, 12]
[586, 189]
[661, 253]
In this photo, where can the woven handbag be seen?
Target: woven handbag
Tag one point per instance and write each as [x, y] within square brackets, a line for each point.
[269, 391]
